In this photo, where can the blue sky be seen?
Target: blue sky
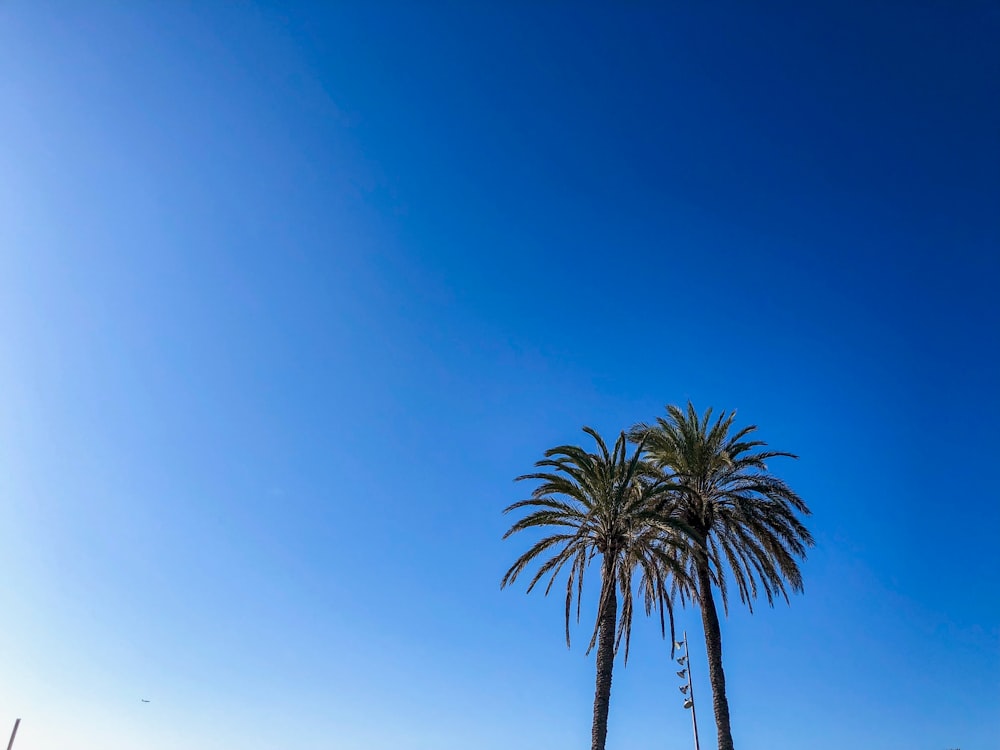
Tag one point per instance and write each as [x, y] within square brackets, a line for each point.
[288, 296]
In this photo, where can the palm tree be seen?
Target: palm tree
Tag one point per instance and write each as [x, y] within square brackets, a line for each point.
[601, 505]
[741, 519]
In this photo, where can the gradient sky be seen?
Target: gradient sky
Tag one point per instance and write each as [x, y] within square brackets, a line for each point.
[288, 296]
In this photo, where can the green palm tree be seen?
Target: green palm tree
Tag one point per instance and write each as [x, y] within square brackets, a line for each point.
[601, 505]
[742, 521]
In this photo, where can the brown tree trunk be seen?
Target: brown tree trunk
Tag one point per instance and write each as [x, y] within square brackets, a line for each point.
[713, 645]
[605, 661]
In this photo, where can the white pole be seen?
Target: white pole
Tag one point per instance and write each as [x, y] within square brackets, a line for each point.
[694, 718]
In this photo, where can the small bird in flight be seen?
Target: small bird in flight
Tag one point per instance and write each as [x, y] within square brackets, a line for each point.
[144, 700]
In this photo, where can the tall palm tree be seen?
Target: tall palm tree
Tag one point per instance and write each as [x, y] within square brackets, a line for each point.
[742, 522]
[601, 505]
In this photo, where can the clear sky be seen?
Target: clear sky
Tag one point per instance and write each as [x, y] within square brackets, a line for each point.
[288, 296]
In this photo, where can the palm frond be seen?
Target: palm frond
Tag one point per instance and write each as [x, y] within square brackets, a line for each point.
[609, 503]
[742, 521]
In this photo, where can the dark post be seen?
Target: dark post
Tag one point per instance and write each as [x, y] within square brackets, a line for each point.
[17, 723]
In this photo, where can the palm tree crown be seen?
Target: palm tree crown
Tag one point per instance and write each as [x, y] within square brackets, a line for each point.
[736, 511]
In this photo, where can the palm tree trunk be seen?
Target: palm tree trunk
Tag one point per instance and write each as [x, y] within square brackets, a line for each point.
[713, 645]
[605, 662]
